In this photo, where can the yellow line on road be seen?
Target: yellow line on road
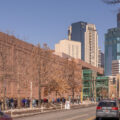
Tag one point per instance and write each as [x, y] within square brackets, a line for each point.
[91, 118]
[76, 117]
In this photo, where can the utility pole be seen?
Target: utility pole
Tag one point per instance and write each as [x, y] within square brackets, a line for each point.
[37, 66]
[81, 95]
[18, 78]
[117, 79]
[39, 101]
[18, 88]
[39, 75]
[31, 94]
[4, 97]
[94, 85]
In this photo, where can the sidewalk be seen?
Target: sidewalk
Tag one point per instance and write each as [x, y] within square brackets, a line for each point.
[24, 112]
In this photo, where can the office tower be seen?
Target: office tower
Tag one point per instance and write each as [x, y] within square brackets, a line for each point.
[100, 58]
[115, 67]
[112, 46]
[118, 20]
[87, 35]
[70, 48]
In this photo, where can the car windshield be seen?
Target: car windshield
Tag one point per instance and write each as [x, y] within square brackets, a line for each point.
[1, 114]
[107, 104]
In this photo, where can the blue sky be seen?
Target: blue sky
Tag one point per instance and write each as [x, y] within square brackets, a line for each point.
[47, 21]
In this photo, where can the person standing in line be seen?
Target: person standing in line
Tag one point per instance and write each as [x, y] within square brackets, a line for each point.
[0, 105]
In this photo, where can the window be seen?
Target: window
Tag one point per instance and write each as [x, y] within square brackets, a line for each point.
[69, 49]
[118, 38]
[118, 47]
[107, 104]
[76, 51]
[72, 50]
[114, 41]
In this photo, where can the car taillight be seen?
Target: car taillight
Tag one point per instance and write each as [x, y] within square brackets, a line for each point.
[114, 108]
[99, 108]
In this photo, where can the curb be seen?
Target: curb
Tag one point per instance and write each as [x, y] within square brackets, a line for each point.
[50, 111]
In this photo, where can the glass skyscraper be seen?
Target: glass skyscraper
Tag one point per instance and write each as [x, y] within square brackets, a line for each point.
[86, 34]
[112, 47]
[77, 32]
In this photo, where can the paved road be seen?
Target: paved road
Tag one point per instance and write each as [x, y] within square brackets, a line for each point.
[74, 114]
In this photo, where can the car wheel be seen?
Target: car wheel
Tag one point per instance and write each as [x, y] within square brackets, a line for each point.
[117, 118]
[97, 118]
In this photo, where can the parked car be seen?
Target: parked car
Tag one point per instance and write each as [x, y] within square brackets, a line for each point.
[3, 116]
[107, 109]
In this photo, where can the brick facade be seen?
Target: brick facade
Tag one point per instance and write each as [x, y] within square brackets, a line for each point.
[15, 77]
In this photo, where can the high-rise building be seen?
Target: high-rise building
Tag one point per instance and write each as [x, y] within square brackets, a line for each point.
[100, 58]
[118, 20]
[70, 48]
[112, 46]
[87, 35]
[115, 67]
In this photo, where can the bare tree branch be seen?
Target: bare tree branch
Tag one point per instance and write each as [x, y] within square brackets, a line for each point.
[112, 1]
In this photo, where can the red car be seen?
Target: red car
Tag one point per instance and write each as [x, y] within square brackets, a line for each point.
[4, 116]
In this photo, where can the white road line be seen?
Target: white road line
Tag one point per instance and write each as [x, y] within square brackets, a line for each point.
[76, 117]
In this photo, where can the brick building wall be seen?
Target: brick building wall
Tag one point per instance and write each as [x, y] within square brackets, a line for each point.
[15, 76]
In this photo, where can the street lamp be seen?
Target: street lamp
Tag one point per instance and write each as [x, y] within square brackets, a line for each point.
[31, 85]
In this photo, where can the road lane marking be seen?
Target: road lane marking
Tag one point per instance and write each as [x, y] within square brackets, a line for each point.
[76, 117]
[91, 118]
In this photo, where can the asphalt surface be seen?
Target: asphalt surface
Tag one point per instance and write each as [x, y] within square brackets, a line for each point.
[73, 114]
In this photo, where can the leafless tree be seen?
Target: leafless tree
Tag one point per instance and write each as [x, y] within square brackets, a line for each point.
[36, 58]
[61, 76]
[72, 82]
[41, 58]
[52, 86]
[103, 92]
[4, 70]
[47, 69]
[21, 73]
[46, 64]
[112, 1]
[57, 78]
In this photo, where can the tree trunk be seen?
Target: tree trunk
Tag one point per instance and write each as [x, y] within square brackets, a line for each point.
[73, 95]
[39, 99]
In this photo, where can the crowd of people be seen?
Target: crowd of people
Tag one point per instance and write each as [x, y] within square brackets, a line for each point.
[12, 103]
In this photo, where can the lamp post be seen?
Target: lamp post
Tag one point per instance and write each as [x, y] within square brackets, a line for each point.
[31, 84]
[81, 95]
[4, 97]
[18, 89]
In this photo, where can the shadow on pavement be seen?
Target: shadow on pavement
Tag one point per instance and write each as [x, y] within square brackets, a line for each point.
[107, 119]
